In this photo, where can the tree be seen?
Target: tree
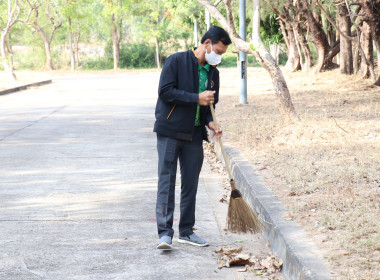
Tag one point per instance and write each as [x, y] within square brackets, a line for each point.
[11, 16]
[257, 49]
[115, 11]
[371, 10]
[346, 59]
[271, 31]
[46, 25]
[71, 10]
[154, 22]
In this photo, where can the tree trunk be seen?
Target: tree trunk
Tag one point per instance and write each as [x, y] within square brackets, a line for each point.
[115, 40]
[76, 44]
[157, 54]
[304, 47]
[284, 100]
[293, 64]
[264, 58]
[319, 38]
[285, 104]
[367, 46]
[356, 58]
[71, 46]
[7, 68]
[371, 10]
[49, 61]
[274, 50]
[284, 33]
[377, 43]
[346, 61]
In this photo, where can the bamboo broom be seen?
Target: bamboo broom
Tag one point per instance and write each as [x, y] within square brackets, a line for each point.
[241, 218]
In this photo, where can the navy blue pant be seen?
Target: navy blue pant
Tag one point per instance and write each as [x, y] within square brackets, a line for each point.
[190, 155]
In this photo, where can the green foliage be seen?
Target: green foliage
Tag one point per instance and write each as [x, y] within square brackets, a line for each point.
[132, 55]
[270, 30]
[98, 64]
[229, 60]
[137, 55]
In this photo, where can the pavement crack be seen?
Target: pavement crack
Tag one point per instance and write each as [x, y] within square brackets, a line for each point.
[33, 123]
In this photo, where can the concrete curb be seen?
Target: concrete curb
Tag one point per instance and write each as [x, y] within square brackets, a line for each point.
[301, 257]
[24, 87]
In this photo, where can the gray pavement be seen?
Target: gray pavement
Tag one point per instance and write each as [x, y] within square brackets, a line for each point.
[78, 184]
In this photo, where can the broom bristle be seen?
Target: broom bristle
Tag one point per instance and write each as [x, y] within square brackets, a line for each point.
[241, 217]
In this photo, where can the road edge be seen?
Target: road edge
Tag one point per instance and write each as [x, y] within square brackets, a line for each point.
[25, 87]
[301, 257]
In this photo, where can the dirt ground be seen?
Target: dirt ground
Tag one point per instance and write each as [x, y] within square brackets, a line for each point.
[326, 167]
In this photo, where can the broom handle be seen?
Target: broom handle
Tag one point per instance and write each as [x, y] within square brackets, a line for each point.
[221, 144]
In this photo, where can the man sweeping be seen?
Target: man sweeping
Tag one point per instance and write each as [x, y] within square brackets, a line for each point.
[189, 83]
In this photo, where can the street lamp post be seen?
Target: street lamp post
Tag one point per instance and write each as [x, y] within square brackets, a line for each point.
[242, 55]
[208, 19]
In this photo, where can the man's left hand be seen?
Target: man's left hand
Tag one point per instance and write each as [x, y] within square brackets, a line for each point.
[217, 130]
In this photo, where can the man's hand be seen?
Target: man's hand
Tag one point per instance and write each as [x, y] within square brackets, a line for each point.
[217, 130]
[206, 98]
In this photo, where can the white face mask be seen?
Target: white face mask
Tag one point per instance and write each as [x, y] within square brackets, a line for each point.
[212, 58]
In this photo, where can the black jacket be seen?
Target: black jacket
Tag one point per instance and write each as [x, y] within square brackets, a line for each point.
[178, 97]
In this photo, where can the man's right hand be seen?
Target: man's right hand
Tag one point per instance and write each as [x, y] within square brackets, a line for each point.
[206, 98]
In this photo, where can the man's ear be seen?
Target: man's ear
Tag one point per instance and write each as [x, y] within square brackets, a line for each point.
[207, 41]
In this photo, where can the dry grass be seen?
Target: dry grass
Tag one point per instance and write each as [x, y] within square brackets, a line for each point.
[325, 168]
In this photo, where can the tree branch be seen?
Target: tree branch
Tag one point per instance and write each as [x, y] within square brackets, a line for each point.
[217, 3]
[333, 23]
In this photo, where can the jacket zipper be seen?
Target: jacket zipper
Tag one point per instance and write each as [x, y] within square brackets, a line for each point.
[171, 112]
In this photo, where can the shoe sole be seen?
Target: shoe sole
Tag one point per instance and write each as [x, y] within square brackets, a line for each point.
[164, 246]
[192, 243]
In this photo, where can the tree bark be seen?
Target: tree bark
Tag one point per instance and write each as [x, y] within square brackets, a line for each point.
[367, 46]
[293, 64]
[371, 10]
[284, 100]
[356, 57]
[45, 38]
[290, 21]
[49, 60]
[76, 44]
[7, 67]
[346, 60]
[72, 56]
[115, 40]
[319, 37]
[284, 32]
[305, 49]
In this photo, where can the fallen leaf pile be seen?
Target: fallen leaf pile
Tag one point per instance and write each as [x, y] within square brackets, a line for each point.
[228, 257]
[216, 164]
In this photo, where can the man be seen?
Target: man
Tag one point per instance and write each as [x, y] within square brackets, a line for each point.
[189, 83]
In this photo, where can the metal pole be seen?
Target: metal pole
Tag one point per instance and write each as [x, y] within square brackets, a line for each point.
[242, 55]
[208, 19]
[196, 33]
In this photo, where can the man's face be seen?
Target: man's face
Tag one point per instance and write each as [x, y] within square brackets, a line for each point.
[218, 48]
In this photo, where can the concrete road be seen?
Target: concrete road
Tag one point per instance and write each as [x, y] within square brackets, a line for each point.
[78, 181]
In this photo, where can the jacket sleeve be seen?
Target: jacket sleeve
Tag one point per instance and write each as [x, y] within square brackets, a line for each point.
[168, 87]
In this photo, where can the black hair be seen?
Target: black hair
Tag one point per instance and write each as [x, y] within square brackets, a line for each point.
[216, 34]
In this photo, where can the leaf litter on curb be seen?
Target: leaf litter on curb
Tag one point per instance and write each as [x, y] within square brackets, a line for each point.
[228, 256]
[218, 167]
